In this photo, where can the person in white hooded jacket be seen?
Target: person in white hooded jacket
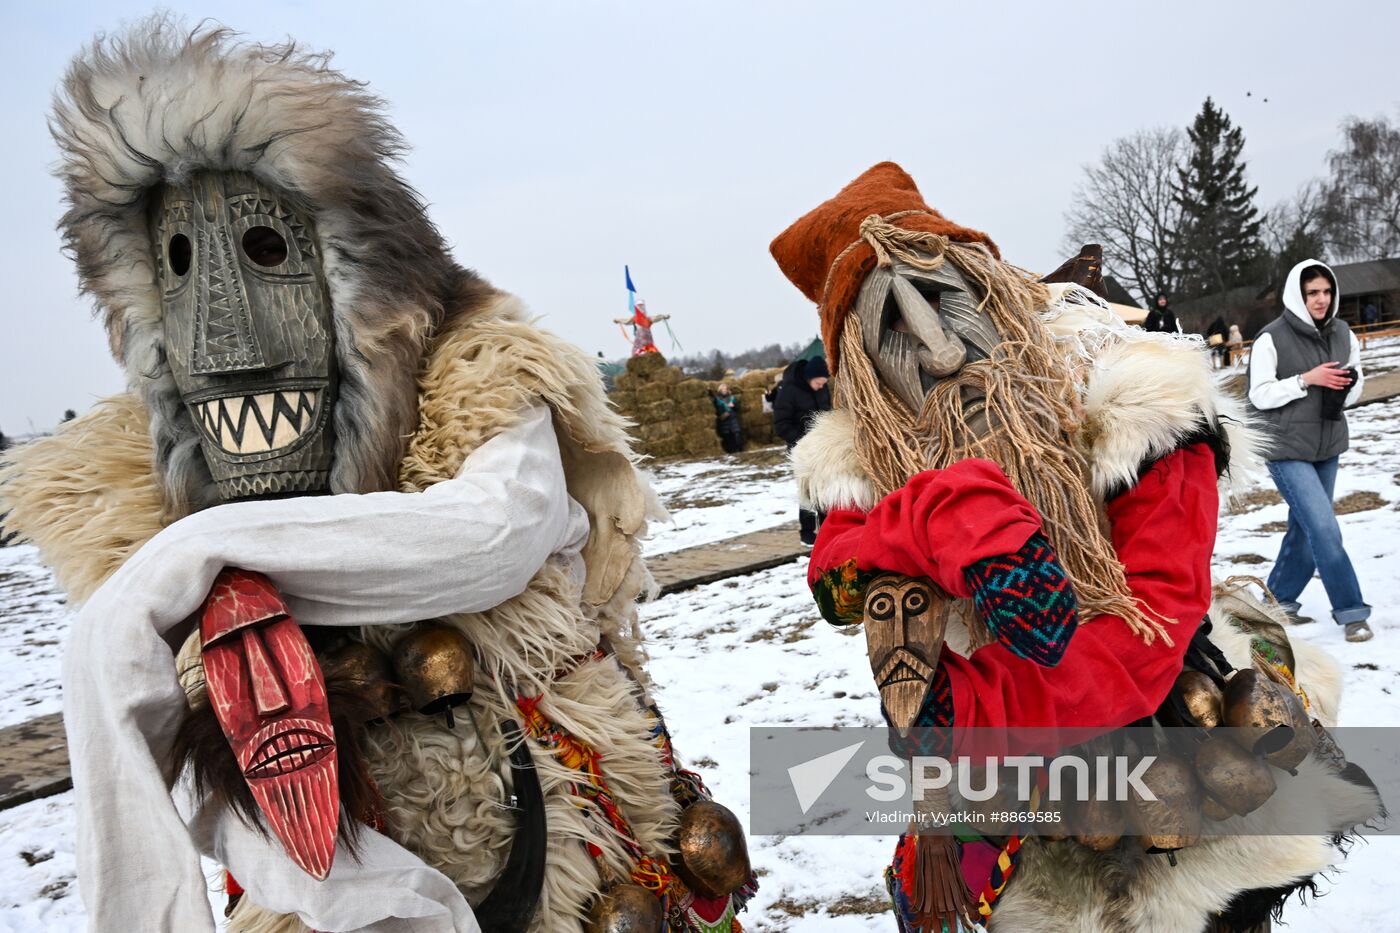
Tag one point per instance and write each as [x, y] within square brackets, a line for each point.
[1304, 369]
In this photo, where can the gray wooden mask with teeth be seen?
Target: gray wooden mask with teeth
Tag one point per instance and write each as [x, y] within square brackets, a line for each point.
[249, 335]
[919, 326]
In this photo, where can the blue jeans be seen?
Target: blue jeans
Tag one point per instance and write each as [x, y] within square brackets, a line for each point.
[1313, 540]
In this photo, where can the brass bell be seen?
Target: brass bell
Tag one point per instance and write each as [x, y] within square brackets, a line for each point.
[1214, 810]
[434, 666]
[1202, 698]
[713, 857]
[1173, 820]
[1100, 824]
[368, 672]
[1304, 738]
[1232, 776]
[1255, 706]
[625, 908]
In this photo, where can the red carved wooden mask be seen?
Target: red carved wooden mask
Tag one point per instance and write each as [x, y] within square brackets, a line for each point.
[270, 698]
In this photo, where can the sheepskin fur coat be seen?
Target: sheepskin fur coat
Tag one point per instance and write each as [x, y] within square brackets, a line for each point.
[88, 497]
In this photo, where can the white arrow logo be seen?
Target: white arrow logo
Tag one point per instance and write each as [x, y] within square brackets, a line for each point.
[811, 778]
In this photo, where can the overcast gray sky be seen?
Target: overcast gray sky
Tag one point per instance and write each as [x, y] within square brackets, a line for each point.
[557, 141]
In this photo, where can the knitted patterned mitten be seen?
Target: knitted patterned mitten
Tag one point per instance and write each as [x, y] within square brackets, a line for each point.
[1026, 601]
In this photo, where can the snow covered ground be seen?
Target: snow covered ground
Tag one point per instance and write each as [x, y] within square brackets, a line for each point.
[710, 500]
[753, 652]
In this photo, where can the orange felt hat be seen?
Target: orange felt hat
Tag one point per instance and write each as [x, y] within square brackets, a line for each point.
[813, 251]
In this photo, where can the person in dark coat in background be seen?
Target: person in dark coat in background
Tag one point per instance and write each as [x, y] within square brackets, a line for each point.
[1161, 319]
[727, 419]
[802, 393]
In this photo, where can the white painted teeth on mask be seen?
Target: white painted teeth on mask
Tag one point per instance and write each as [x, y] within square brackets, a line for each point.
[254, 424]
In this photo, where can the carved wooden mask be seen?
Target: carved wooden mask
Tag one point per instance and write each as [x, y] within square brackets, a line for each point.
[268, 693]
[249, 335]
[905, 619]
[919, 326]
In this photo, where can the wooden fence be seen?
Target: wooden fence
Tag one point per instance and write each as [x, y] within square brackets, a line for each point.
[1363, 332]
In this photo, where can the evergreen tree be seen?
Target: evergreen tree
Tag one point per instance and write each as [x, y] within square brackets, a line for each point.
[1218, 240]
[1302, 244]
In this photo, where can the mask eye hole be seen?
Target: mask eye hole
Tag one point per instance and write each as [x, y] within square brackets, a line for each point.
[881, 606]
[892, 320]
[933, 296]
[265, 246]
[178, 254]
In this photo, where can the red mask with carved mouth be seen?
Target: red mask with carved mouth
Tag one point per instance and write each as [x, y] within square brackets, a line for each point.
[270, 698]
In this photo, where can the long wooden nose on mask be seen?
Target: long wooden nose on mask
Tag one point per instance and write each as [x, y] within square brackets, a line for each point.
[268, 691]
[939, 353]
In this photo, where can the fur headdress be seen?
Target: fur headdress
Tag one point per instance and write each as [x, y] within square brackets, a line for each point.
[157, 104]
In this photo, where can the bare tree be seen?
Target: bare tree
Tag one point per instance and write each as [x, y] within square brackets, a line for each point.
[1125, 203]
[1295, 229]
[1362, 218]
[1305, 211]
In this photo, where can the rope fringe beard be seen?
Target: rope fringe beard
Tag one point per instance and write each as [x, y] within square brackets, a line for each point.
[1027, 395]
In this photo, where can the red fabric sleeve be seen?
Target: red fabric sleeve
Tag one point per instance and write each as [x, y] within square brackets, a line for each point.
[937, 524]
[1164, 533]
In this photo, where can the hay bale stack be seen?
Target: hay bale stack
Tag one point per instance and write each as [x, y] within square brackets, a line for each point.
[645, 366]
[661, 412]
[649, 392]
[702, 445]
[690, 389]
[674, 416]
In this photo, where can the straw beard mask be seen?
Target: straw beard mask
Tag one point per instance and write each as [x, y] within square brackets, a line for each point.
[945, 360]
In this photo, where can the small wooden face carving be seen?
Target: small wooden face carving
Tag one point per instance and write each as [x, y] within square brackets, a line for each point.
[905, 619]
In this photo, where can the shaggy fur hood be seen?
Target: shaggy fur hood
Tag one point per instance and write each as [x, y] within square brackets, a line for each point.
[1142, 395]
[157, 104]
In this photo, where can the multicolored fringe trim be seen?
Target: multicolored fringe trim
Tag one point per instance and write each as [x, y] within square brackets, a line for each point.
[1026, 601]
[685, 911]
[592, 787]
[899, 875]
[1265, 652]
[702, 915]
[899, 881]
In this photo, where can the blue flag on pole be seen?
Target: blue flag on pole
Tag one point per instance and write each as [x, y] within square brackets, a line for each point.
[628, 272]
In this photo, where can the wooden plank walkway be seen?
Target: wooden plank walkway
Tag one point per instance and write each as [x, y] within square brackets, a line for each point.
[33, 761]
[34, 755]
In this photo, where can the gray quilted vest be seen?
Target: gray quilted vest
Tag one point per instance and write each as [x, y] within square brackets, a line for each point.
[1297, 431]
